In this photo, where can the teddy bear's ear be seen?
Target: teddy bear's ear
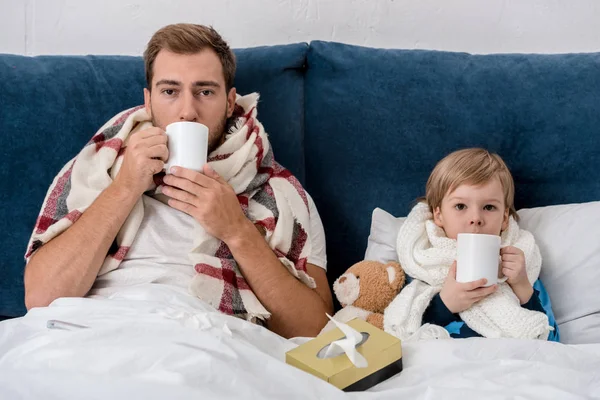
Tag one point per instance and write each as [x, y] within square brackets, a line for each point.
[395, 275]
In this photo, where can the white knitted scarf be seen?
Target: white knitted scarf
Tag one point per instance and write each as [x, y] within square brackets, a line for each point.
[426, 254]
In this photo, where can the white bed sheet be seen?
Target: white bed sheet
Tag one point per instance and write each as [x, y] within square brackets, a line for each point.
[156, 342]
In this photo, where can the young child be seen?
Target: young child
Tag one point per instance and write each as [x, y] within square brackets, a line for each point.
[469, 191]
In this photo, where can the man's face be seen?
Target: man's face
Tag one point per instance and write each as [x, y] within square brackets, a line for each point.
[190, 87]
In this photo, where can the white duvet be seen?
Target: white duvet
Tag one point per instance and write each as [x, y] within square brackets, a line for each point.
[155, 342]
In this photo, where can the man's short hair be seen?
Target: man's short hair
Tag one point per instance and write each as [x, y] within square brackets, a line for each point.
[189, 39]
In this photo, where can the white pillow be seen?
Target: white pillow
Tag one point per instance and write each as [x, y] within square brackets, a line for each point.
[569, 240]
[381, 245]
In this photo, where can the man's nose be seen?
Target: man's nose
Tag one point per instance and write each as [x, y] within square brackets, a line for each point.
[188, 111]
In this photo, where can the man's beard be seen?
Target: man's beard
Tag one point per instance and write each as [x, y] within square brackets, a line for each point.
[214, 140]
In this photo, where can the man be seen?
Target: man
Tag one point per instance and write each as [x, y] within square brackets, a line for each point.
[189, 72]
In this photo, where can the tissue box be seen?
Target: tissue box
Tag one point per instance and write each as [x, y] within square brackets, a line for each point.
[382, 351]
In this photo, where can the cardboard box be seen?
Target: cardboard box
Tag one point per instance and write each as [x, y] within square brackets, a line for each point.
[382, 351]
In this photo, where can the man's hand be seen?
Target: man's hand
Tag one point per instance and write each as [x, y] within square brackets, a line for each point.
[459, 296]
[208, 198]
[513, 267]
[145, 155]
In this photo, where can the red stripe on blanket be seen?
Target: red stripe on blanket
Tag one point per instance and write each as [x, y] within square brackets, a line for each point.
[243, 199]
[121, 253]
[223, 251]
[123, 117]
[73, 216]
[43, 223]
[114, 143]
[98, 140]
[231, 300]
[265, 170]
[34, 246]
[250, 126]
[298, 242]
[219, 157]
[248, 115]
[259, 154]
[224, 274]
[301, 264]
[268, 223]
[48, 215]
[281, 172]
[269, 190]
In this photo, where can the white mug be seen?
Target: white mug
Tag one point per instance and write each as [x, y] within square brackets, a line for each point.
[188, 145]
[478, 257]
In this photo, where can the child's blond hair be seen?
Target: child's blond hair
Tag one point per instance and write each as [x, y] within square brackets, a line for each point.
[472, 167]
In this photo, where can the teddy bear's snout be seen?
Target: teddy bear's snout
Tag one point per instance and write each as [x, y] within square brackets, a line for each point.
[347, 288]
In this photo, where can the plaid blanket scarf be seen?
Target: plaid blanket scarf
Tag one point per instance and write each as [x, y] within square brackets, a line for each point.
[270, 196]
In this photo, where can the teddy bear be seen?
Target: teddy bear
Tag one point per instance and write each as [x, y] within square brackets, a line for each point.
[365, 290]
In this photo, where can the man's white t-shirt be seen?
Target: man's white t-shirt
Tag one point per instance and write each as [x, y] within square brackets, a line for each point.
[159, 253]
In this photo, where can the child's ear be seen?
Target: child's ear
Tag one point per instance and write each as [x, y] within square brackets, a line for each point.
[437, 217]
[505, 220]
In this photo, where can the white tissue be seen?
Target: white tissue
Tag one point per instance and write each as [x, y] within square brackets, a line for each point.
[347, 345]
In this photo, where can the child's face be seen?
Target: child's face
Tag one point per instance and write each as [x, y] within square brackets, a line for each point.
[473, 209]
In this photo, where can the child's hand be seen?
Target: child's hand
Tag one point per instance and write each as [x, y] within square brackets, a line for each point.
[513, 267]
[459, 296]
